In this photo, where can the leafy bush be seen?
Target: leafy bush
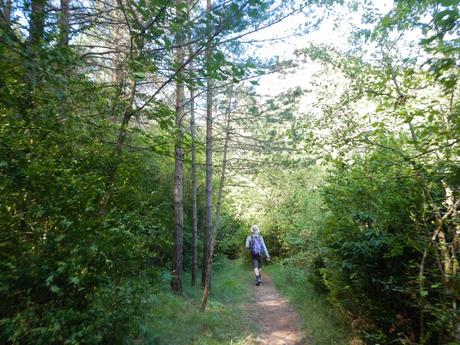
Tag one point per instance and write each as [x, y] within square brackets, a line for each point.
[373, 238]
[65, 270]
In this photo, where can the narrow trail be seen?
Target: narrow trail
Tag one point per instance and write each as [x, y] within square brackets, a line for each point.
[279, 324]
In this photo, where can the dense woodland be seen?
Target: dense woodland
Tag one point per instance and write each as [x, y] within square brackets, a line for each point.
[136, 149]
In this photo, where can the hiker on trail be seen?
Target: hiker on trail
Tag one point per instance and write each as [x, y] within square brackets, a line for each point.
[255, 243]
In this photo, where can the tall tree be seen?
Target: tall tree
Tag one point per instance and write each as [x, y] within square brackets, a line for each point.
[179, 158]
[134, 51]
[206, 276]
[64, 23]
[215, 230]
[224, 164]
[36, 33]
[194, 181]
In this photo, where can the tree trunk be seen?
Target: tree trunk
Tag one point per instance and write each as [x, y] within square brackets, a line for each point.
[194, 187]
[37, 21]
[6, 9]
[122, 133]
[224, 165]
[127, 114]
[179, 164]
[208, 221]
[193, 153]
[64, 24]
[118, 34]
[36, 32]
[215, 231]
[64, 28]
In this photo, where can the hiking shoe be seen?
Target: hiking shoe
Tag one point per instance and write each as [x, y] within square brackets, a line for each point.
[258, 280]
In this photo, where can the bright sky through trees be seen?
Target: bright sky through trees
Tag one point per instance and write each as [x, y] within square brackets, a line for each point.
[281, 40]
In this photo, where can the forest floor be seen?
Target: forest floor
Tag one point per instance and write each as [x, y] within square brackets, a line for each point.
[240, 313]
[277, 321]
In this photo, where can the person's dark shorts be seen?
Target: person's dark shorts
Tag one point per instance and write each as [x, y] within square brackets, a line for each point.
[257, 261]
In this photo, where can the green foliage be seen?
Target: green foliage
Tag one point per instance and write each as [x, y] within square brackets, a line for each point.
[293, 216]
[168, 319]
[371, 239]
[70, 273]
[63, 267]
[65, 271]
[85, 194]
[232, 236]
[377, 252]
[359, 237]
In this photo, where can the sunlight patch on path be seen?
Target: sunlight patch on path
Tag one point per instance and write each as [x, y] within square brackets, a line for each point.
[279, 324]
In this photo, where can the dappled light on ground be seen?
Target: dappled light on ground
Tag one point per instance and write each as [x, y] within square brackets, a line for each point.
[279, 324]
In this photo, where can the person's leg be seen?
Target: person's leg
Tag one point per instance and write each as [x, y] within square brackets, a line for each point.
[259, 261]
[255, 264]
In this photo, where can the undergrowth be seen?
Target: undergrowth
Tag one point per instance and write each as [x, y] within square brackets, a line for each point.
[173, 320]
[319, 322]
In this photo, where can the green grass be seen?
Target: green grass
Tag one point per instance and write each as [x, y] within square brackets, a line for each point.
[172, 320]
[319, 321]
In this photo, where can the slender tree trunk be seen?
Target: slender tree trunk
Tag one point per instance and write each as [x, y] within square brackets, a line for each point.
[37, 21]
[179, 164]
[64, 29]
[193, 153]
[194, 193]
[135, 48]
[194, 187]
[5, 20]
[36, 33]
[215, 231]
[206, 276]
[122, 133]
[6, 11]
[224, 167]
[64, 24]
[118, 34]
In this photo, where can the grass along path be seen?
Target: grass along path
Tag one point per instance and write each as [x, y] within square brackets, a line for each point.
[318, 321]
[172, 320]
[240, 313]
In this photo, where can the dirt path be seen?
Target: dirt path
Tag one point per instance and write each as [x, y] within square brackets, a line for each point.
[279, 324]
